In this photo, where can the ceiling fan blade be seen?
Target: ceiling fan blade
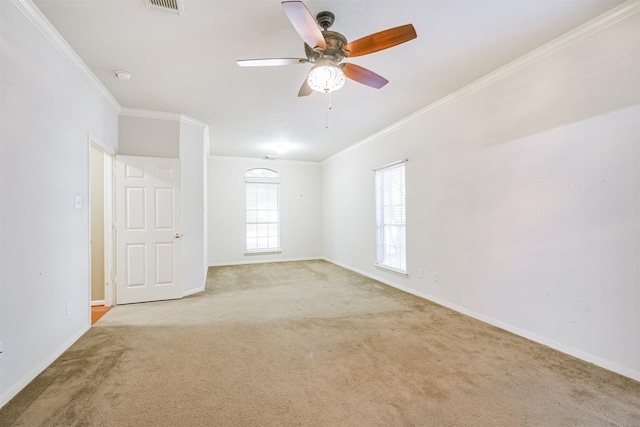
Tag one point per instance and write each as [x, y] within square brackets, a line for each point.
[379, 41]
[304, 24]
[364, 76]
[305, 89]
[270, 62]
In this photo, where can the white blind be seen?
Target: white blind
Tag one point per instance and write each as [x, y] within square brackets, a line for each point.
[263, 231]
[391, 217]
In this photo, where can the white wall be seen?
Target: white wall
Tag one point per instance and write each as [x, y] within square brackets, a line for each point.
[193, 160]
[158, 134]
[150, 137]
[300, 210]
[523, 193]
[49, 108]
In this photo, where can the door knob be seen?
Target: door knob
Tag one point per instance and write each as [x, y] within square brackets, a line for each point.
[178, 235]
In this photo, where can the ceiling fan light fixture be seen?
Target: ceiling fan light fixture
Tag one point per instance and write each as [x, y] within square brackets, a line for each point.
[326, 77]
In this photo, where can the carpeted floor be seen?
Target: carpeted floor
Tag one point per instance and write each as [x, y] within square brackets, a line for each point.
[312, 344]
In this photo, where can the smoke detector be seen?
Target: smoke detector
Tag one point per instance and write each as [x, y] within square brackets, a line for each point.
[122, 75]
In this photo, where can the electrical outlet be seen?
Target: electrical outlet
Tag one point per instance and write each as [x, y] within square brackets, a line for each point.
[420, 273]
[436, 277]
[68, 310]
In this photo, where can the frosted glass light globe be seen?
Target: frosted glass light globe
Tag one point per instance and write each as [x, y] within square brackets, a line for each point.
[326, 77]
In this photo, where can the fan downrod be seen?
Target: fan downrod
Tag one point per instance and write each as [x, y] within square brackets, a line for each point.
[325, 19]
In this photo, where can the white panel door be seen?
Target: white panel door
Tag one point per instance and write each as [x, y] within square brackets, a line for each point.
[148, 224]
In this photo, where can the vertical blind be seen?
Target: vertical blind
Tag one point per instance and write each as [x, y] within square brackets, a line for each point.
[391, 217]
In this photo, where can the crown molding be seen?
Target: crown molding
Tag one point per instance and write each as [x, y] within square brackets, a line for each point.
[581, 32]
[161, 115]
[261, 160]
[149, 114]
[35, 16]
[186, 120]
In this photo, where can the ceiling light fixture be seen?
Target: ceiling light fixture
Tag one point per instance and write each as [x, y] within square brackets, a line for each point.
[326, 76]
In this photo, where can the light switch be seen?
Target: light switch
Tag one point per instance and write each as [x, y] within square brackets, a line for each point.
[78, 202]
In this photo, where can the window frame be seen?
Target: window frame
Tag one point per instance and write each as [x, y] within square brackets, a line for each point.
[262, 179]
[393, 205]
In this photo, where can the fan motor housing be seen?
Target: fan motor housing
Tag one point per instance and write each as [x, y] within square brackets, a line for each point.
[335, 42]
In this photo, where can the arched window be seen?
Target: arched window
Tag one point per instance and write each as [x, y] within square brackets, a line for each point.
[263, 210]
[261, 173]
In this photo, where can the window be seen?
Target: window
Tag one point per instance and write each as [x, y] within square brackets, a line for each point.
[390, 218]
[263, 217]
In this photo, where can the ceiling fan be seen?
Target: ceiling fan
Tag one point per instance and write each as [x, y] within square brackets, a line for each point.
[326, 49]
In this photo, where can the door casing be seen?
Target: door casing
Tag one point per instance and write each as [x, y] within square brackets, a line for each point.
[109, 273]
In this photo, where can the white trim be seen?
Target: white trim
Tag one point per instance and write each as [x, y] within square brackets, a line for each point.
[97, 303]
[109, 253]
[582, 355]
[391, 270]
[148, 114]
[205, 192]
[161, 115]
[107, 149]
[186, 120]
[262, 261]
[263, 160]
[37, 370]
[88, 202]
[109, 229]
[260, 180]
[269, 252]
[389, 165]
[599, 23]
[33, 14]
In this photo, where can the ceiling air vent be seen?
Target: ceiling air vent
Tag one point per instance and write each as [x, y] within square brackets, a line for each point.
[175, 7]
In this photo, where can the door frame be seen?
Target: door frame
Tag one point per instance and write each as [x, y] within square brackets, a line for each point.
[109, 236]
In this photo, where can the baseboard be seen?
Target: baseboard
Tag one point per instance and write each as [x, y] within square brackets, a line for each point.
[579, 354]
[369, 275]
[98, 302]
[264, 261]
[37, 370]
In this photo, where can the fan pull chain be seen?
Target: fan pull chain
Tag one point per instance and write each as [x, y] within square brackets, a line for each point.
[326, 123]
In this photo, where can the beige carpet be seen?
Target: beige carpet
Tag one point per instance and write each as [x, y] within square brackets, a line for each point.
[312, 344]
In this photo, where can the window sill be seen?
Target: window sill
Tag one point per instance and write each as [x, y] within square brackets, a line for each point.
[262, 253]
[391, 270]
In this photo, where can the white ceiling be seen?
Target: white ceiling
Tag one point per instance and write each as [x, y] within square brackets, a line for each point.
[186, 64]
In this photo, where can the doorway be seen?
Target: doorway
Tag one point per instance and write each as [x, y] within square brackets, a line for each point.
[101, 230]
